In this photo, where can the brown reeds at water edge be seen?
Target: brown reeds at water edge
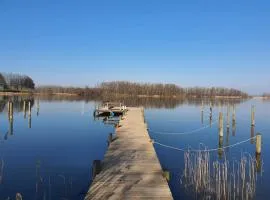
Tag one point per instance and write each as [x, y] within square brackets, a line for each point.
[221, 180]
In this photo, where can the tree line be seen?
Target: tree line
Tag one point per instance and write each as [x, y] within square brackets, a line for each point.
[12, 81]
[266, 95]
[125, 88]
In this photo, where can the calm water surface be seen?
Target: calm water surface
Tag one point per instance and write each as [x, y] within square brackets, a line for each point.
[50, 156]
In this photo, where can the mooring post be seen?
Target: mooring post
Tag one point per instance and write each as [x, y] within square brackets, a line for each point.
[8, 105]
[24, 109]
[29, 108]
[258, 143]
[221, 124]
[253, 115]
[11, 111]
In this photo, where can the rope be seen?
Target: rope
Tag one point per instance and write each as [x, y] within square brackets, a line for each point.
[205, 150]
[183, 133]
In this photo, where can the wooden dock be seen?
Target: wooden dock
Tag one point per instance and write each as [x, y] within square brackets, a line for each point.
[130, 169]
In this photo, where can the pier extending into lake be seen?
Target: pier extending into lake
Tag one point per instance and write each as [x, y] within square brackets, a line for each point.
[130, 169]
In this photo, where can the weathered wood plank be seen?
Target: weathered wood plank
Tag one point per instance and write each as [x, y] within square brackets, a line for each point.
[130, 169]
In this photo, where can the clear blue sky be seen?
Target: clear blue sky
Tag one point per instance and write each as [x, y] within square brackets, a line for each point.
[204, 43]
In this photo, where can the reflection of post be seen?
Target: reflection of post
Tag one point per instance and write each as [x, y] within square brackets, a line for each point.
[211, 109]
[29, 115]
[227, 136]
[30, 121]
[252, 132]
[228, 117]
[220, 146]
[202, 116]
[24, 109]
[233, 128]
[258, 162]
[10, 127]
[38, 106]
[221, 124]
[210, 119]
[234, 115]
[253, 115]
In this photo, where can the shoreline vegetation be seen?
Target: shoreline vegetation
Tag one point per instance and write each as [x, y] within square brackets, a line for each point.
[16, 84]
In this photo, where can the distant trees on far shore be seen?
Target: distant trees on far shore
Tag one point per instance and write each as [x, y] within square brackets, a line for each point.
[125, 88]
[266, 95]
[17, 82]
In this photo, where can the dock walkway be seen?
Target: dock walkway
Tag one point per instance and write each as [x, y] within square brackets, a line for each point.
[130, 169]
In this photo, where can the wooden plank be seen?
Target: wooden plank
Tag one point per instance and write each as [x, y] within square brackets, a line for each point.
[130, 169]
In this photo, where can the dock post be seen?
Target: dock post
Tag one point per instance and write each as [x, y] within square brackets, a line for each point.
[8, 107]
[221, 124]
[258, 143]
[253, 115]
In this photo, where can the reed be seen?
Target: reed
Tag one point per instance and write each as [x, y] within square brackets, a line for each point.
[221, 180]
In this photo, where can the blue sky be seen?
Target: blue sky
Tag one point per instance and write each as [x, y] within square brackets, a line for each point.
[190, 43]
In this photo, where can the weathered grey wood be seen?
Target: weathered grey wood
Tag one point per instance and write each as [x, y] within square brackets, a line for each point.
[130, 169]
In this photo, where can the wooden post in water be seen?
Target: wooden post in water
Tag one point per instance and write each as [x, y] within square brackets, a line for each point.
[221, 124]
[253, 115]
[8, 105]
[29, 108]
[258, 143]
[11, 111]
[258, 152]
[24, 109]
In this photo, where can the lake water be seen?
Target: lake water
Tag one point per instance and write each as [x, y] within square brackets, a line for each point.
[49, 155]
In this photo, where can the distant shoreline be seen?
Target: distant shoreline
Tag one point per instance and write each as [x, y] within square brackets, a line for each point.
[121, 95]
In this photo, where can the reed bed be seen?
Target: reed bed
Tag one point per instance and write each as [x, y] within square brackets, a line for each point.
[221, 180]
